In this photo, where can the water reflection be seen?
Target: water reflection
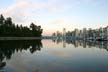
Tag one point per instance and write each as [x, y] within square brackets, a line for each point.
[84, 44]
[76, 56]
[8, 48]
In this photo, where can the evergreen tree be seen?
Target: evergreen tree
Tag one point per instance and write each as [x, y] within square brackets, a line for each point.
[9, 29]
[2, 19]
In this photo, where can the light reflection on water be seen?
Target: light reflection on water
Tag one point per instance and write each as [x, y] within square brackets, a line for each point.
[53, 56]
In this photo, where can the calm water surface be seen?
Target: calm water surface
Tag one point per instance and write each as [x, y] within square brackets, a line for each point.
[53, 56]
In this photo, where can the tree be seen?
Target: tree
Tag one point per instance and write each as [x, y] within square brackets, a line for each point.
[36, 30]
[8, 28]
[2, 19]
[8, 21]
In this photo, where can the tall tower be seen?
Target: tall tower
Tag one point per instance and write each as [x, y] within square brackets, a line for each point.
[64, 37]
[64, 33]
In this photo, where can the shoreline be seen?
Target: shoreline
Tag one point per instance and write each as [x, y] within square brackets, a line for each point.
[20, 38]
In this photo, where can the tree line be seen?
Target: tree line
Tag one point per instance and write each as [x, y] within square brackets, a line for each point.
[10, 29]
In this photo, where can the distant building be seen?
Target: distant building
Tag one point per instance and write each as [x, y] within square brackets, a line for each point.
[54, 35]
[84, 33]
[59, 35]
[87, 34]
[80, 34]
[64, 33]
[107, 32]
[76, 33]
[101, 32]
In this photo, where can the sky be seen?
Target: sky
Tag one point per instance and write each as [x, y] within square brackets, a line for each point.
[54, 15]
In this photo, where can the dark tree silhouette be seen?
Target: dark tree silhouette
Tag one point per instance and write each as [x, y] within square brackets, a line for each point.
[36, 30]
[1, 19]
[9, 29]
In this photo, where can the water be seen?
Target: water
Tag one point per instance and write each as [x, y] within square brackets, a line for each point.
[53, 56]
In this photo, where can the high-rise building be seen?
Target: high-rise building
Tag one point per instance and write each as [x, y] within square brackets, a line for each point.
[64, 33]
[76, 33]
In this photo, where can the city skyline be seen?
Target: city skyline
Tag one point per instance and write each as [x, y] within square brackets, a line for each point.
[54, 15]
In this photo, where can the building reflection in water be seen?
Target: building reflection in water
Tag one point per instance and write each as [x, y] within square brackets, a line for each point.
[8, 48]
[85, 44]
[57, 41]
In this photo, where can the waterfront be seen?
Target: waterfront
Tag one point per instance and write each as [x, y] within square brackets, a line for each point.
[100, 34]
[53, 56]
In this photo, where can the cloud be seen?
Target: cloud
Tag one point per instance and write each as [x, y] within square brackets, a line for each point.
[17, 11]
[62, 21]
[62, 5]
[21, 10]
[65, 22]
